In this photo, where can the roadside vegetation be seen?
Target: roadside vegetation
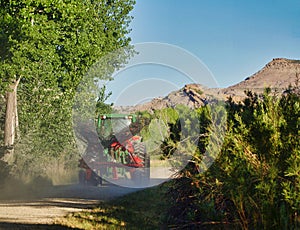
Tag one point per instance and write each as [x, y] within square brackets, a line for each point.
[254, 182]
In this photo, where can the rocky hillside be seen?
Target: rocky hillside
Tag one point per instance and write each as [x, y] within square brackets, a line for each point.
[277, 74]
[192, 95]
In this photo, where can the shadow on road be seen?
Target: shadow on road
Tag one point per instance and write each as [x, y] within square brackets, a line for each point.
[17, 226]
[38, 208]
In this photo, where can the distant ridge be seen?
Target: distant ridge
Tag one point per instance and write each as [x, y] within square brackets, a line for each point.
[278, 74]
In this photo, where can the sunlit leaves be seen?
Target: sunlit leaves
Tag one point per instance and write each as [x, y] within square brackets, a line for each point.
[50, 45]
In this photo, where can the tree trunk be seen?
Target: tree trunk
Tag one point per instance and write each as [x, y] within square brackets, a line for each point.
[11, 120]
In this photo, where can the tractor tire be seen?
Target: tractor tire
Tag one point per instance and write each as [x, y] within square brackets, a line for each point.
[95, 180]
[140, 150]
[142, 175]
[81, 177]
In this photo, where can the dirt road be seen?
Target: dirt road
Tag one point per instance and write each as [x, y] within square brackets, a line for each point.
[37, 207]
[26, 210]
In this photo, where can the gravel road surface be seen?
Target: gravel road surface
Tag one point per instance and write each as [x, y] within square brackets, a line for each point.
[40, 206]
[39, 210]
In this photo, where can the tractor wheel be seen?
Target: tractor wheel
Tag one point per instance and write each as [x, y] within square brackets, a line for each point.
[95, 179]
[140, 150]
[142, 174]
[81, 177]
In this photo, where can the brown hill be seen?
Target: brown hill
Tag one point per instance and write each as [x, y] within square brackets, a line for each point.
[191, 95]
[277, 74]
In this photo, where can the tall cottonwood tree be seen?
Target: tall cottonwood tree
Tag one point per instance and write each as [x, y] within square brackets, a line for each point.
[46, 48]
[11, 115]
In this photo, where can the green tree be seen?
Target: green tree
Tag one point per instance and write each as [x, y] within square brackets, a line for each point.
[101, 106]
[47, 46]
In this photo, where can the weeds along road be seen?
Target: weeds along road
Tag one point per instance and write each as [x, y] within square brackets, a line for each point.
[38, 208]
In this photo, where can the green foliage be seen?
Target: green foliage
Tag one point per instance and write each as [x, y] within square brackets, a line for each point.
[254, 183]
[183, 131]
[101, 106]
[50, 45]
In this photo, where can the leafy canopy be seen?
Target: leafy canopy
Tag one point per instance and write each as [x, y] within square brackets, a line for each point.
[50, 45]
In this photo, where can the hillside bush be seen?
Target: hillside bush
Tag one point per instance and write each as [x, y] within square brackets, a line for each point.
[254, 182]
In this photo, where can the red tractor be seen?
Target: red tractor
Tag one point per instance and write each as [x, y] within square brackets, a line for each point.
[122, 154]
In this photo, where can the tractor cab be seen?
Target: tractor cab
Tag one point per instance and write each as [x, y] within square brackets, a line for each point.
[114, 125]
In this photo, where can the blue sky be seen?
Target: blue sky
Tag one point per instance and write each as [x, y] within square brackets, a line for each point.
[233, 38]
